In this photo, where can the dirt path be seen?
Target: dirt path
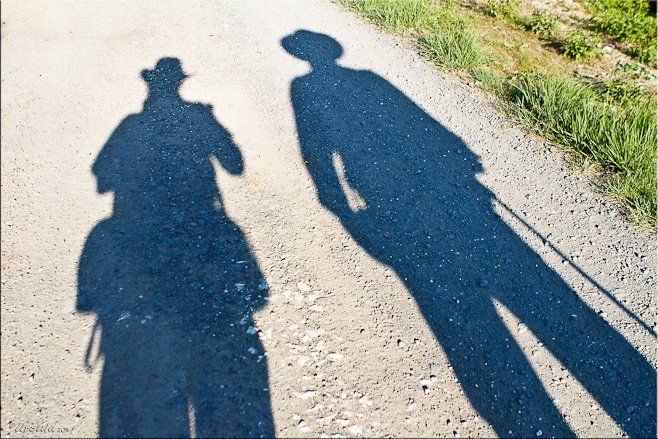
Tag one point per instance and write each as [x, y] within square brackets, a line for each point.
[392, 257]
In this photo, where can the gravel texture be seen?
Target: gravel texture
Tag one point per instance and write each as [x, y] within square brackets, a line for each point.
[318, 234]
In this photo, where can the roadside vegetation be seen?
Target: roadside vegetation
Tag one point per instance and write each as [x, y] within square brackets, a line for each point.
[628, 22]
[582, 75]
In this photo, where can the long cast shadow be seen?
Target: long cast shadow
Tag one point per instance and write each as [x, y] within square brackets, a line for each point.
[171, 279]
[404, 187]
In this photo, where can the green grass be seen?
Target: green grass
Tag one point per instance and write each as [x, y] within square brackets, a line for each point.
[505, 9]
[443, 36]
[608, 125]
[542, 23]
[579, 45]
[620, 86]
[399, 16]
[453, 47]
[621, 141]
[629, 22]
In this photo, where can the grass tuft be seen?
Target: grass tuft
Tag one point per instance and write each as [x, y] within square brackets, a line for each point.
[397, 16]
[620, 140]
[579, 45]
[453, 47]
[444, 37]
[542, 23]
[505, 9]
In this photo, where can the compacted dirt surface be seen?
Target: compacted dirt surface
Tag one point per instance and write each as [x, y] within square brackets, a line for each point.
[270, 219]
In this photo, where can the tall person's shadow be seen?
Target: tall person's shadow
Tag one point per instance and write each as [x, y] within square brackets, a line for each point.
[171, 279]
[404, 187]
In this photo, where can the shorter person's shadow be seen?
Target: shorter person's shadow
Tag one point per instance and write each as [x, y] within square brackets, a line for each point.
[171, 279]
[404, 187]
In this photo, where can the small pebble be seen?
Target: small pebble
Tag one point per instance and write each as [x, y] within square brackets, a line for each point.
[355, 429]
[306, 395]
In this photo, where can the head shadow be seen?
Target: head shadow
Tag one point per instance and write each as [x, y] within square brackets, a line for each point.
[171, 278]
[167, 75]
[404, 187]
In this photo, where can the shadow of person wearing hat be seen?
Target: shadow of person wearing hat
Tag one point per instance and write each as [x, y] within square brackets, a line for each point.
[171, 279]
[405, 188]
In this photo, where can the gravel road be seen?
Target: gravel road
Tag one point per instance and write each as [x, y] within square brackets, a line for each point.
[270, 219]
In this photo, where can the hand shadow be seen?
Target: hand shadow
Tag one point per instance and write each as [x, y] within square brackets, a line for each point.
[171, 279]
[404, 187]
